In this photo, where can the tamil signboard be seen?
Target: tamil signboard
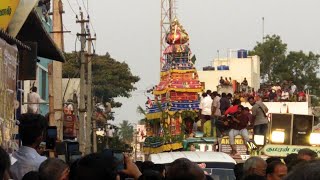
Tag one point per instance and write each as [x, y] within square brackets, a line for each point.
[281, 150]
[21, 14]
[7, 10]
[8, 65]
[224, 145]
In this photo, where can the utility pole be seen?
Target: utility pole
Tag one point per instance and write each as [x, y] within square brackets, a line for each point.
[94, 129]
[76, 107]
[55, 73]
[89, 99]
[82, 109]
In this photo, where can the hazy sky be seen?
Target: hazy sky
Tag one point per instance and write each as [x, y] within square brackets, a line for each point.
[130, 31]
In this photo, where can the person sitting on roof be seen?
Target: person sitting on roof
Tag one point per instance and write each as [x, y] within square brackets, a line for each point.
[221, 81]
[285, 95]
[301, 96]
[244, 82]
[226, 82]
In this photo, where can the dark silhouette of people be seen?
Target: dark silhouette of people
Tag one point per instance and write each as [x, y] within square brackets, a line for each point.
[244, 82]
[221, 81]
[226, 82]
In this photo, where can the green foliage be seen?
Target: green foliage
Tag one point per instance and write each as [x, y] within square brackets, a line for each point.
[140, 110]
[271, 52]
[301, 68]
[112, 143]
[71, 68]
[110, 78]
[126, 132]
[143, 121]
[296, 66]
[193, 59]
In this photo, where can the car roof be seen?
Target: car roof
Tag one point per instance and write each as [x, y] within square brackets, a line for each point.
[194, 156]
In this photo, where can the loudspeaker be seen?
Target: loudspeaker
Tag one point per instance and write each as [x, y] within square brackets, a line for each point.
[283, 122]
[297, 128]
[302, 128]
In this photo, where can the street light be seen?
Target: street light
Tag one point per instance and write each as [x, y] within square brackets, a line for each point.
[315, 138]
[278, 136]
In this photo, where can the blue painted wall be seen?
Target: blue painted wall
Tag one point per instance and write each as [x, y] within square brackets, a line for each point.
[42, 78]
[43, 84]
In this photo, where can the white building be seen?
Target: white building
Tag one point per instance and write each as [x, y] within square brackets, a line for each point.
[239, 68]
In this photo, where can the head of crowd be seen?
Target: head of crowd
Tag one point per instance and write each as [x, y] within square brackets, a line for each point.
[30, 165]
[285, 91]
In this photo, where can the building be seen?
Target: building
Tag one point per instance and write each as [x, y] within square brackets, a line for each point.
[237, 68]
[38, 76]
[26, 49]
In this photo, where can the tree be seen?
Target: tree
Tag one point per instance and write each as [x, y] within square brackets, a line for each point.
[271, 52]
[126, 132]
[111, 78]
[302, 69]
[296, 66]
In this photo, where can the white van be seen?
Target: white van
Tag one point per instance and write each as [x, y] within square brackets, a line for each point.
[218, 165]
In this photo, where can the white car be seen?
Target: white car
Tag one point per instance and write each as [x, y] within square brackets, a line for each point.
[218, 165]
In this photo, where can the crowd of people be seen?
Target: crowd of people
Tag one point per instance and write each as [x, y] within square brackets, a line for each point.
[286, 91]
[225, 81]
[223, 115]
[30, 165]
[301, 166]
[280, 92]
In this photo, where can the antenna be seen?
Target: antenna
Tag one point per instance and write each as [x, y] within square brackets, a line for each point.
[262, 29]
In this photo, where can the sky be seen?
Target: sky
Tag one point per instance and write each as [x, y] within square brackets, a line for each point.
[129, 30]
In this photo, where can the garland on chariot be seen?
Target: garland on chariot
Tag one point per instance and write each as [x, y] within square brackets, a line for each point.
[175, 107]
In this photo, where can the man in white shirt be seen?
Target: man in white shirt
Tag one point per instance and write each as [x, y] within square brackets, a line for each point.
[31, 130]
[34, 98]
[293, 88]
[205, 105]
[205, 110]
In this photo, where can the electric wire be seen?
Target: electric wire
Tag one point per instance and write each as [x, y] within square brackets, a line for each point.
[84, 6]
[88, 15]
[78, 4]
[71, 8]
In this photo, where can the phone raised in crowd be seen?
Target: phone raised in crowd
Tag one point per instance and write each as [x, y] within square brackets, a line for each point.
[51, 137]
[118, 157]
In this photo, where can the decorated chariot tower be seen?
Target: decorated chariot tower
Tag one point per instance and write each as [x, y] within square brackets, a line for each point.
[170, 116]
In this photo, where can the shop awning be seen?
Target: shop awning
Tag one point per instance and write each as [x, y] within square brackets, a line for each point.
[11, 40]
[34, 31]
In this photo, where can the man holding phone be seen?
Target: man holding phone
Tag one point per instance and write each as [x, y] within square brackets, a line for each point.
[32, 129]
